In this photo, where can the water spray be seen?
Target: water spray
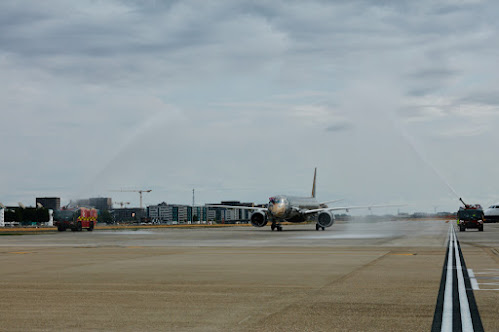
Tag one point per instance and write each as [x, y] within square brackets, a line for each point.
[419, 153]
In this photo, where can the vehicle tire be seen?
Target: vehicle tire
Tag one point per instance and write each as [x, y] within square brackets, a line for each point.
[480, 229]
[272, 227]
[78, 227]
[91, 228]
[317, 227]
[61, 229]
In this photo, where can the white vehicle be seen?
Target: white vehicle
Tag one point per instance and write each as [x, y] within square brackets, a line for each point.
[492, 213]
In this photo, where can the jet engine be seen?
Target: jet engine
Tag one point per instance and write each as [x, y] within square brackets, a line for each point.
[325, 219]
[258, 219]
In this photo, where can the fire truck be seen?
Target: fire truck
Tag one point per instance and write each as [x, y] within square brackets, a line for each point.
[471, 216]
[75, 220]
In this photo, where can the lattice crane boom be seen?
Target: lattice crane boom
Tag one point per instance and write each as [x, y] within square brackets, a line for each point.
[135, 191]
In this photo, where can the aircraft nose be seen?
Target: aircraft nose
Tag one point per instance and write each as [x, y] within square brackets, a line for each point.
[278, 210]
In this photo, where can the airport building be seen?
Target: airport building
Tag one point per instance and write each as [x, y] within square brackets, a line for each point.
[176, 213]
[53, 203]
[128, 214]
[230, 215]
[212, 215]
[100, 203]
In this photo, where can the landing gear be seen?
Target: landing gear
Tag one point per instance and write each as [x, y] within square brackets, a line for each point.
[318, 227]
[276, 226]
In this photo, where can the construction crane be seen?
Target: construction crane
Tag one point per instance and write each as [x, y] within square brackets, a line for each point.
[135, 191]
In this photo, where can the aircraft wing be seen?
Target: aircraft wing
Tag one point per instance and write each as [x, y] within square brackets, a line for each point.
[346, 208]
[328, 202]
[238, 207]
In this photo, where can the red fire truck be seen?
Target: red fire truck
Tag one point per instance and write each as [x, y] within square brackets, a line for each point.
[75, 220]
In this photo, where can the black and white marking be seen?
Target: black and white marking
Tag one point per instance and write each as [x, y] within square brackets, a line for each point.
[456, 308]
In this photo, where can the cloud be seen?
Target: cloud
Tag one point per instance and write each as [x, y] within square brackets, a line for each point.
[339, 127]
[175, 93]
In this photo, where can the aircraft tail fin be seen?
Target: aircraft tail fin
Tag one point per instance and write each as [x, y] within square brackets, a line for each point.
[313, 186]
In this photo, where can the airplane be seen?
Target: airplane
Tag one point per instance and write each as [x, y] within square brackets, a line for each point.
[294, 209]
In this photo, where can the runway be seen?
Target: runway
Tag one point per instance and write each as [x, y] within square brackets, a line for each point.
[355, 276]
[456, 308]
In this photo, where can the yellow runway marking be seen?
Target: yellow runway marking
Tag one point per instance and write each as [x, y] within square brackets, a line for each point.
[20, 252]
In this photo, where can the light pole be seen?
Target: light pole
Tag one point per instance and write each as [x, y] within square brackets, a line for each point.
[192, 209]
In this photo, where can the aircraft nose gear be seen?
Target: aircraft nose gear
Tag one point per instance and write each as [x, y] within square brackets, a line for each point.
[317, 227]
[276, 226]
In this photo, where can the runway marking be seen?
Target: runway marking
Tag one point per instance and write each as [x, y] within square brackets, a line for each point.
[474, 283]
[456, 308]
[20, 252]
[488, 276]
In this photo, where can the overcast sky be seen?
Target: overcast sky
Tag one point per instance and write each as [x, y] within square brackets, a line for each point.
[241, 100]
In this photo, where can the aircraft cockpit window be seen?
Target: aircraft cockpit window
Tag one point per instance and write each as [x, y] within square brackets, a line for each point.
[277, 200]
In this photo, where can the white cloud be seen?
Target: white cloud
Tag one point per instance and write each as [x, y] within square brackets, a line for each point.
[227, 95]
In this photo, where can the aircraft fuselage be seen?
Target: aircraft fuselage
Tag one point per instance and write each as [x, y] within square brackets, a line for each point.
[289, 208]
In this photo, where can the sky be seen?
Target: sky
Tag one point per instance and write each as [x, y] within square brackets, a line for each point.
[394, 102]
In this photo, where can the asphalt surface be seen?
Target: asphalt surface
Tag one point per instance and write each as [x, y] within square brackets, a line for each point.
[355, 276]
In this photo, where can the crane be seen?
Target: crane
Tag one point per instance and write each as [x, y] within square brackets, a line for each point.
[135, 191]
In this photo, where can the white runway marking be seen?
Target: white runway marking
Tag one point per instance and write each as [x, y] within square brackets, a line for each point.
[457, 306]
[488, 276]
[466, 322]
[447, 312]
[474, 283]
